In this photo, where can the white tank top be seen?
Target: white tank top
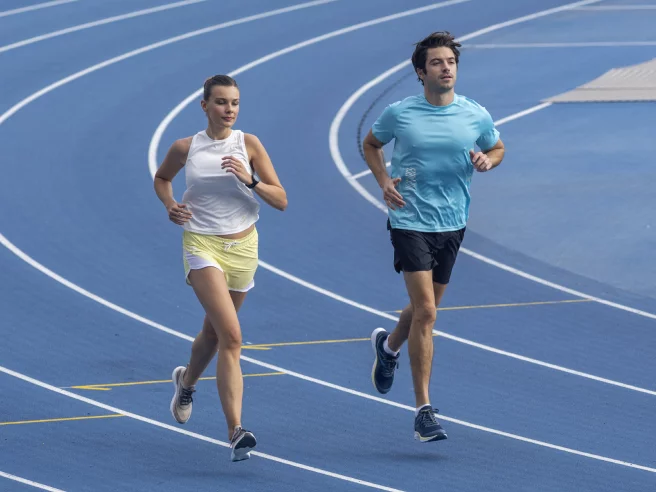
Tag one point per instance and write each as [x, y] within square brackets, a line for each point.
[219, 203]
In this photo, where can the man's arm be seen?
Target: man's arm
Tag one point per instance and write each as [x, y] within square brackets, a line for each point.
[488, 159]
[373, 154]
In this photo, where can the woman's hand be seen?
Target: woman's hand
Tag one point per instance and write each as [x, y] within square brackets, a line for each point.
[234, 166]
[178, 213]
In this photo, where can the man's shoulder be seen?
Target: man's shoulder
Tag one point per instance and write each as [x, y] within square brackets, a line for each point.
[470, 104]
[405, 104]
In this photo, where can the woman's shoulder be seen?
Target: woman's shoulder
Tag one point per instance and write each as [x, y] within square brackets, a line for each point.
[251, 141]
[183, 144]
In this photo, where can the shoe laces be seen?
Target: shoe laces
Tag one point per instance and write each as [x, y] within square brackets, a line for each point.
[427, 417]
[185, 396]
[239, 430]
[388, 364]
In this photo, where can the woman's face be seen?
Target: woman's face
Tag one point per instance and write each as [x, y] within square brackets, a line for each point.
[222, 107]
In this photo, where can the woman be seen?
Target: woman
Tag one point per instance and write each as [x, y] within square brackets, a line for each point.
[220, 244]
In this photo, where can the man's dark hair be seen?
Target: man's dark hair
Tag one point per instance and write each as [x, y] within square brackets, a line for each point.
[221, 80]
[435, 40]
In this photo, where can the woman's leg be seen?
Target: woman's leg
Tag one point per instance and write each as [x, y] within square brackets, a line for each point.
[206, 345]
[212, 291]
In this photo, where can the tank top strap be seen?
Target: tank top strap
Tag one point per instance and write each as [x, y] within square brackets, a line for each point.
[241, 141]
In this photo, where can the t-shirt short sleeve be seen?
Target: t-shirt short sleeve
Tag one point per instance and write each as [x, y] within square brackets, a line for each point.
[489, 135]
[384, 127]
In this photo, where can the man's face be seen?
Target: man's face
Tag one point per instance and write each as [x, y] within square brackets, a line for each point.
[441, 69]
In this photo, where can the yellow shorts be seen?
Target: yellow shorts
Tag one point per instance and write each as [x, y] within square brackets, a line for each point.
[236, 258]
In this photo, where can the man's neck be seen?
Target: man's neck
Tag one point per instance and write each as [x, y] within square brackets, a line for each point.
[439, 98]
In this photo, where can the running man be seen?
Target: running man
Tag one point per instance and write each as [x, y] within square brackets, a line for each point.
[428, 198]
[220, 244]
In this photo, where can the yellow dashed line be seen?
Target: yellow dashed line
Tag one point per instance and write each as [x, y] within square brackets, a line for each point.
[516, 304]
[109, 386]
[68, 419]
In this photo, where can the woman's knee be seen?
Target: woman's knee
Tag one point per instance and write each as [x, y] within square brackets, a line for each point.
[230, 339]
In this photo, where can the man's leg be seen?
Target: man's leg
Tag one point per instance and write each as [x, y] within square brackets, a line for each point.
[424, 297]
[402, 330]
[420, 338]
[411, 252]
[400, 334]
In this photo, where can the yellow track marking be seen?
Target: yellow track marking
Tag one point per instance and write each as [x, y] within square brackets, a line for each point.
[67, 419]
[516, 304]
[109, 386]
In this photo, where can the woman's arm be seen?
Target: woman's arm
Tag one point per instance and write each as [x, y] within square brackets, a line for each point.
[269, 187]
[174, 161]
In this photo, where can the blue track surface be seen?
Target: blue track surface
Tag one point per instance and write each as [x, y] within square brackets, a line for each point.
[540, 388]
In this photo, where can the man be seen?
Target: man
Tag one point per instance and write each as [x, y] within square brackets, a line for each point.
[428, 198]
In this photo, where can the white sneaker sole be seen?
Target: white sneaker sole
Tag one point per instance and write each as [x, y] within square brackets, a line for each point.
[430, 439]
[374, 335]
[174, 377]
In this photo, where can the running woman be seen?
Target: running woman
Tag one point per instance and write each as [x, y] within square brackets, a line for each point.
[218, 213]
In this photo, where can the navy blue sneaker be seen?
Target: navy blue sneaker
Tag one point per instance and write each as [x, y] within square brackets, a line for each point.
[427, 428]
[241, 444]
[385, 364]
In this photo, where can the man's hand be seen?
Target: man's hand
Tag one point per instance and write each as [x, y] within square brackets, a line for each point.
[392, 197]
[480, 161]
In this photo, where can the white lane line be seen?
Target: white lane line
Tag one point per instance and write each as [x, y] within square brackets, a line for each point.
[38, 6]
[523, 113]
[58, 278]
[459, 422]
[366, 172]
[153, 166]
[591, 44]
[195, 435]
[159, 132]
[29, 482]
[48, 272]
[17, 107]
[454, 338]
[100, 22]
[357, 305]
[618, 7]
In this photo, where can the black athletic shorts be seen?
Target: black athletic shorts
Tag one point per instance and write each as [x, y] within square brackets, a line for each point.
[416, 251]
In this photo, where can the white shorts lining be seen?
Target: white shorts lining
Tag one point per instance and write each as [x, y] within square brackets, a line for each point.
[198, 262]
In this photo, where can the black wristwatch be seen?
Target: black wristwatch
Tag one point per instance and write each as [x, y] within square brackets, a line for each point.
[253, 184]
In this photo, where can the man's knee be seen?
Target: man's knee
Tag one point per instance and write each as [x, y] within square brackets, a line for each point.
[424, 313]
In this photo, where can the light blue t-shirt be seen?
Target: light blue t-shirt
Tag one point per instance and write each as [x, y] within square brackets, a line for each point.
[431, 156]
